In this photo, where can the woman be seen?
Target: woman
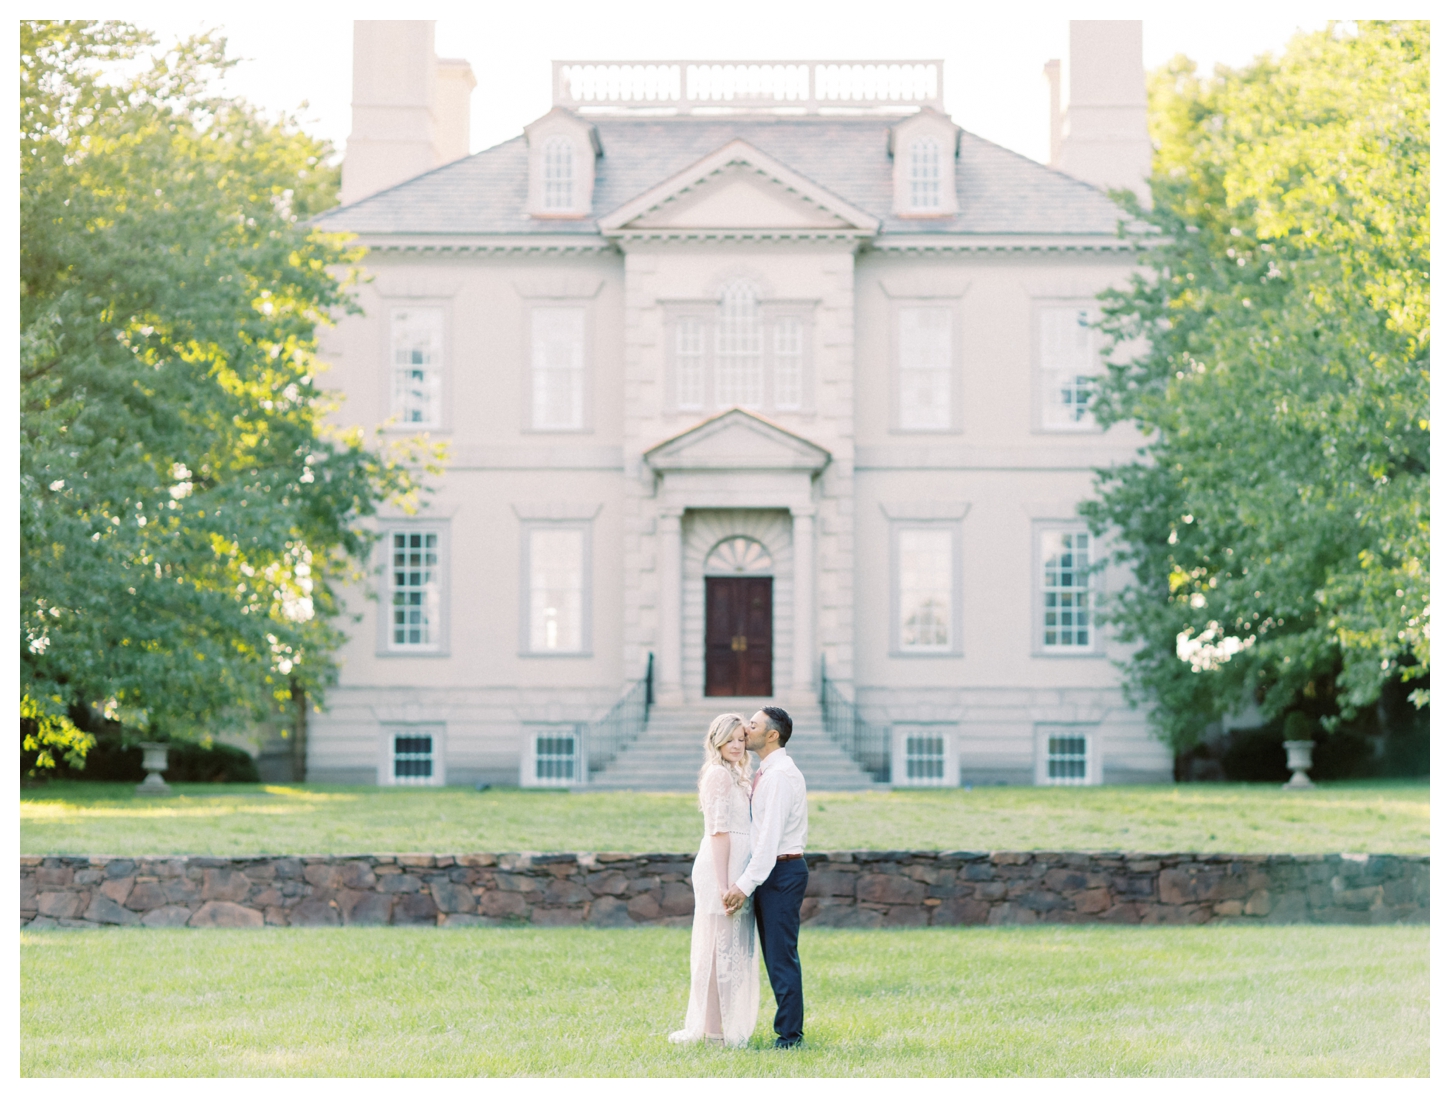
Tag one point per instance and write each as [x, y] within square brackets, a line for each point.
[724, 975]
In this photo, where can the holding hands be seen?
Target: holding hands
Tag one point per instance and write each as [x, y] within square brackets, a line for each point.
[733, 900]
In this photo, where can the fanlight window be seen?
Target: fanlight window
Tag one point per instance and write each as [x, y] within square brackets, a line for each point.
[925, 174]
[738, 556]
[558, 174]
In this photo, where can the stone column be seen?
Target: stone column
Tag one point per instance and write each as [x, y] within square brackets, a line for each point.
[803, 540]
[668, 552]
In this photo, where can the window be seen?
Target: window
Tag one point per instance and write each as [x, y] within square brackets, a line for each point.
[1066, 757]
[558, 368]
[1066, 595]
[556, 562]
[925, 759]
[925, 174]
[412, 758]
[925, 595]
[556, 758]
[417, 340]
[739, 349]
[925, 368]
[1068, 356]
[690, 363]
[558, 174]
[789, 350]
[414, 568]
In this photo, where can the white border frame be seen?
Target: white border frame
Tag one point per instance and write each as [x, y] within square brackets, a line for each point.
[586, 412]
[1042, 730]
[1096, 650]
[952, 302]
[528, 756]
[445, 373]
[586, 593]
[951, 762]
[437, 729]
[895, 648]
[389, 527]
[1038, 424]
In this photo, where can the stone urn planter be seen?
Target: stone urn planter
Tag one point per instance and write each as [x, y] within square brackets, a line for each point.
[154, 762]
[1301, 758]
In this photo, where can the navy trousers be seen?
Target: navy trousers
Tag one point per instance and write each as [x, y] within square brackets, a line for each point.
[778, 919]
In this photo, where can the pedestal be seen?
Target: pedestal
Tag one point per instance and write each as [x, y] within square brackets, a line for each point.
[1301, 758]
[154, 762]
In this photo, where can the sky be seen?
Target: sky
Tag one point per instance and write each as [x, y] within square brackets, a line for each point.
[994, 55]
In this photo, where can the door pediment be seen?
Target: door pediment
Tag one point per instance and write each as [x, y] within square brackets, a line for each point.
[738, 187]
[738, 441]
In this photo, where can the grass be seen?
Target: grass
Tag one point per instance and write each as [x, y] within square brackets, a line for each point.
[1036, 1001]
[95, 818]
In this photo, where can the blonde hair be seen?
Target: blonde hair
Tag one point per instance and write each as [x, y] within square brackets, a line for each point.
[721, 729]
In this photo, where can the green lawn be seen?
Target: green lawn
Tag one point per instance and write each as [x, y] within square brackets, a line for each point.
[1191, 1001]
[94, 818]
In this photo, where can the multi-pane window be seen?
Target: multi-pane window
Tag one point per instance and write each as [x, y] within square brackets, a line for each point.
[925, 758]
[414, 567]
[690, 363]
[558, 368]
[924, 589]
[739, 349]
[556, 589]
[412, 758]
[556, 758]
[558, 174]
[925, 367]
[789, 352]
[1068, 358]
[1066, 592]
[1067, 762]
[417, 342]
[925, 174]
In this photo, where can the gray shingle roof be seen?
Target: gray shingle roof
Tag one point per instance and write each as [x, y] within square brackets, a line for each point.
[998, 191]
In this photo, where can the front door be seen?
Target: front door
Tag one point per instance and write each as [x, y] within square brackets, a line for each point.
[737, 637]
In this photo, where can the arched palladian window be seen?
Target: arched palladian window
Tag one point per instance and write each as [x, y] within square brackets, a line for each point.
[925, 174]
[558, 174]
[739, 348]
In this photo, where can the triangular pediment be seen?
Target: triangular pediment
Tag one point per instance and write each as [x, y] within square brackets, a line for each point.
[738, 187]
[737, 440]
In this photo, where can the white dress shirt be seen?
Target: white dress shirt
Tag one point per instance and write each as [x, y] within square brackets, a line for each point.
[777, 818]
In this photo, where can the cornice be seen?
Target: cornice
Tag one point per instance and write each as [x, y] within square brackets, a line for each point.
[974, 243]
[488, 245]
[626, 237]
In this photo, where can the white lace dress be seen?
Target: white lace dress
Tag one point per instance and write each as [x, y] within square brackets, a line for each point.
[725, 941]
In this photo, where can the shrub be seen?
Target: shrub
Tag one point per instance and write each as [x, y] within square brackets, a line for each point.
[110, 761]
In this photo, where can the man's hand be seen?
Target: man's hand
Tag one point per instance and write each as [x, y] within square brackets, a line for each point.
[733, 900]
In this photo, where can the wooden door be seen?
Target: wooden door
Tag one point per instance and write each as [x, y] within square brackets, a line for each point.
[738, 637]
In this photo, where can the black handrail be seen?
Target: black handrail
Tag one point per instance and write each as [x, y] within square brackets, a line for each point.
[868, 745]
[622, 725]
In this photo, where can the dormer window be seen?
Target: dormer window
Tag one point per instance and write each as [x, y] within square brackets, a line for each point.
[562, 150]
[924, 150]
[558, 174]
[925, 174]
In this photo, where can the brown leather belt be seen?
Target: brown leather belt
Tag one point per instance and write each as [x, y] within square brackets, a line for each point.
[788, 857]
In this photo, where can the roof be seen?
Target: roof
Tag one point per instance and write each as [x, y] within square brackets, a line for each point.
[998, 191]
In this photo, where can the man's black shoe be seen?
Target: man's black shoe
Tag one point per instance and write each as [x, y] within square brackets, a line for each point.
[781, 1042]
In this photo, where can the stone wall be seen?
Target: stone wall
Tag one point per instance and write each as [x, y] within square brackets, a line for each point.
[847, 889]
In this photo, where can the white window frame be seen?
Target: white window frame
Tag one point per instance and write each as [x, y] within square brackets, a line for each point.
[900, 768]
[924, 174]
[387, 755]
[704, 398]
[386, 645]
[586, 589]
[953, 648]
[529, 756]
[1040, 647]
[953, 423]
[552, 182]
[441, 420]
[1045, 389]
[1043, 735]
[531, 424]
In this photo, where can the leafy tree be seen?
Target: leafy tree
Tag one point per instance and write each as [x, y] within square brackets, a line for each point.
[1275, 348]
[186, 512]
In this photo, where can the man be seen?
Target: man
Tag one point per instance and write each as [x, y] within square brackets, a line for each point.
[776, 874]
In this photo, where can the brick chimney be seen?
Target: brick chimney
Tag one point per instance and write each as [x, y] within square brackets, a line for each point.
[409, 107]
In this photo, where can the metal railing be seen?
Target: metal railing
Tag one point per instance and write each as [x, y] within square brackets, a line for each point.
[625, 722]
[868, 745]
[795, 87]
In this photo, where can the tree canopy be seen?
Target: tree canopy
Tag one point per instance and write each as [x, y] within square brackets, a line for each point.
[1274, 347]
[186, 511]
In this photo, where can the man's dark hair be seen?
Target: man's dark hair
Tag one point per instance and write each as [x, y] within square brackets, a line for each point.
[780, 721]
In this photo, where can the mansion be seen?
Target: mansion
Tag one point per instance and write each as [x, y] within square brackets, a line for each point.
[751, 375]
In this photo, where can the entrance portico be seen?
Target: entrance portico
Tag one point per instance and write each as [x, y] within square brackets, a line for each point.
[736, 462]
